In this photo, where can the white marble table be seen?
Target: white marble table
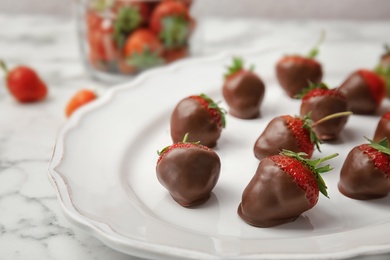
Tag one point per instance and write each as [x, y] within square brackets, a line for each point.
[32, 225]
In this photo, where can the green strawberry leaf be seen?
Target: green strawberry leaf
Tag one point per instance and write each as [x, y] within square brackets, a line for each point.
[308, 125]
[175, 31]
[128, 19]
[237, 65]
[311, 86]
[222, 112]
[382, 146]
[314, 52]
[313, 167]
[144, 60]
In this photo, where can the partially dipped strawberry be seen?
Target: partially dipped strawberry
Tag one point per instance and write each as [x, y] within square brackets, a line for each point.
[286, 132]
[243, 91]
[199, 116]
[366, 171]
[295, 71]
[283, 187]
[318, 101]
[364, 90]
[24, 84]
[189, 171]
[383, 128]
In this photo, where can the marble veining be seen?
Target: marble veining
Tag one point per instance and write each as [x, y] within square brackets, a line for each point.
[32, 225]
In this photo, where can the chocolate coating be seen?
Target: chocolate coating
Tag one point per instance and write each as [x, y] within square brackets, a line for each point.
[244, 94]
[191, 117]
[272, 197]
[276, 137]
[294, 72]
[358, 95]
[360, 179]
[382, 130]
[322, 106]
[189, 174]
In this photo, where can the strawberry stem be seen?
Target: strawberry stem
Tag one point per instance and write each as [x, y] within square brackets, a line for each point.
[238, 64]
[332, 116]
[185, 138]
[3, 66]
[314, 52]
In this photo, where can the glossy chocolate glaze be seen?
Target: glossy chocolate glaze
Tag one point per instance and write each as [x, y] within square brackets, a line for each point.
[272, 197]
[360, 179]
[322, 106]
[189, 174]
[276, 137]
[294, 77]
[244, 94]
[382, 130]
[358, 95]
[191, 117]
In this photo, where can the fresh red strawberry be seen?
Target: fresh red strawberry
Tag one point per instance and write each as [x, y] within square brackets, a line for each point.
[24, 84]
[187, 3]
[171, 21]
[81, 98]
[189, 171]
[364, 90]
[243, 91]
[318, 101]
[383, 128]
[366, 171]
[199, 116]
[295, 71]
[143, 50]
[286, 132]
[283, 187]
[129, 17]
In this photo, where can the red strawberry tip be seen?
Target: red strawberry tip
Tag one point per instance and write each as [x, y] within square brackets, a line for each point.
[238, 65]
[314, 167]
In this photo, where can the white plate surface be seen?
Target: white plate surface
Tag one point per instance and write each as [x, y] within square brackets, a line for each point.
[103, 168]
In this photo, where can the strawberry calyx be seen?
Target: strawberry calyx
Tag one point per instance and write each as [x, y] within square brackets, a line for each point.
[101, 5]
[216, 111]
[183, 144]
[308, 125]
[175, 31]
[314, 167]
[128, 19]
[312, 86]
[378, 153]
[237, 66]
[145, 59]
[314, 52]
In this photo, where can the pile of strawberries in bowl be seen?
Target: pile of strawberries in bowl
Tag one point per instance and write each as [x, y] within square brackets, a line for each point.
[127, 36]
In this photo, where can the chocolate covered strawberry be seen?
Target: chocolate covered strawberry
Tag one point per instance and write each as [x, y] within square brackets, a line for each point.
[283, 187]
[383, 128]
[318, 101]
[364, 90]
[243, 91]
[199, 116]
[189, 171]
[295, 71]
[286, 132]
[366, 171]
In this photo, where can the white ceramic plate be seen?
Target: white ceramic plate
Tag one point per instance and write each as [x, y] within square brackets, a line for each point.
[103, 168]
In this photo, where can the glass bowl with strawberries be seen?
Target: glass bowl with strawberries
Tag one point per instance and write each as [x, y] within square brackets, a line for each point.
[124, 37]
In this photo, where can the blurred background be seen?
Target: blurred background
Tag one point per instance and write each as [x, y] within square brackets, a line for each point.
[281, 9]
